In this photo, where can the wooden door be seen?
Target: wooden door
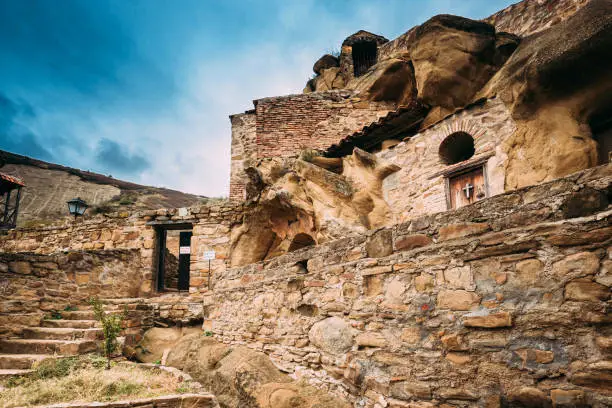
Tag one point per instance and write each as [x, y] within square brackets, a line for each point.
[467, 188]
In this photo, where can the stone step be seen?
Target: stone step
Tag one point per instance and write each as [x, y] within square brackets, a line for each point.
[35, 346]
[75, 324]
[6, 373]
[21, 361]
[65, 333]
[78, 315]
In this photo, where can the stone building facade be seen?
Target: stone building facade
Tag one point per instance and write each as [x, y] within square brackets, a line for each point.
[424, 274]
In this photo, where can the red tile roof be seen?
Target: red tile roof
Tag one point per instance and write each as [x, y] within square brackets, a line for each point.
[404, 119]
[11, 179]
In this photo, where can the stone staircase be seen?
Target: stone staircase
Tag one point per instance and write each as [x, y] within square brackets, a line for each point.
[77, 332]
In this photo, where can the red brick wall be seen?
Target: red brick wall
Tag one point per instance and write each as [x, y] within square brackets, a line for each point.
[288, 124]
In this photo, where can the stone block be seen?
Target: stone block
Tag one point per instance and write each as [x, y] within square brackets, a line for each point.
[380, 244]
[457, 300]
[489, 321]
[20, 267]
[424, 283]
[407, 390]
[373, 285]
[411, 335]
[370, 339]
[586, 290]
[528, 272]
[459, 277]
[408, 242]
[458, 358]
[567, 398]
[453, 231]
[580, 264]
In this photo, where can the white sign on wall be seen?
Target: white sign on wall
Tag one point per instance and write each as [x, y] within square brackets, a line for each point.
[184, 250]
[209, 255]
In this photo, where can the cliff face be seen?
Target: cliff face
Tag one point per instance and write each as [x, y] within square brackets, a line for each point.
[49, 186]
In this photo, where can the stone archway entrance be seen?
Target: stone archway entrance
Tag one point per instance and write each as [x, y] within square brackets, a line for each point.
[173, 257]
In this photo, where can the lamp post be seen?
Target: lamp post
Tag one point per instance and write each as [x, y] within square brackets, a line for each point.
[77, 207]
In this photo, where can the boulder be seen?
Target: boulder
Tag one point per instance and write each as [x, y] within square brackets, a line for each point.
[453, 58]
[325, 62]
[391, 80]
[296, 395]
[332, 335]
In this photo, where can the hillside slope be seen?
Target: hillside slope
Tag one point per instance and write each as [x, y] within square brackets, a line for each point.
[49, 186]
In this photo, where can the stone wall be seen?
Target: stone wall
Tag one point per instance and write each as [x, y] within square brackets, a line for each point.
[288, 124]
[34, 285]
[496, 304]
[244, 150]
[137, 232]
[532, 16]
[418, 188]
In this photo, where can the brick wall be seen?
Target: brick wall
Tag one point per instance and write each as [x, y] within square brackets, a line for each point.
[288, 124]
[502, 302]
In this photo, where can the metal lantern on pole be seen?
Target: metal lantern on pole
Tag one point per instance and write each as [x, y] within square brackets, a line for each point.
[77, 207]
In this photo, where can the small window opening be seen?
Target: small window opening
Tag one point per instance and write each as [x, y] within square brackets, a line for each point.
[301, 241]
[365, 54]
[456, 148]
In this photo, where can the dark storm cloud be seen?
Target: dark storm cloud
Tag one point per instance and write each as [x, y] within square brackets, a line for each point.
[114, 157]
[16, 137]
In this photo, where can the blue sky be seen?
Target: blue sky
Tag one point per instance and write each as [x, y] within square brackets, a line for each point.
[142, 89]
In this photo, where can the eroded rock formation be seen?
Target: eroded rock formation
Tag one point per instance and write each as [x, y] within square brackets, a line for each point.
[238, 376]
[300, 198]
[555, 84]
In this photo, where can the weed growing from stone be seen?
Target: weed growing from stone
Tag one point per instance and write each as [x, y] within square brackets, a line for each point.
[111, 327]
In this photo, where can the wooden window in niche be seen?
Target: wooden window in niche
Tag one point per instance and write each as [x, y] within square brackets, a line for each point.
[466, 188]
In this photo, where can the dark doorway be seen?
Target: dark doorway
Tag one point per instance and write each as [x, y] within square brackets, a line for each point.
[365, 54]
[174, 257]
[602, 133]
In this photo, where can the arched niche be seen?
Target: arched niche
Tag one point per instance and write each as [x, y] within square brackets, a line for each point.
[457, 147]
[300, 241]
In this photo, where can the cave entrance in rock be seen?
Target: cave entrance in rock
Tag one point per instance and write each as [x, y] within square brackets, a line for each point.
[601, 128]
[365, 54]
[173, 257]
[301, 241]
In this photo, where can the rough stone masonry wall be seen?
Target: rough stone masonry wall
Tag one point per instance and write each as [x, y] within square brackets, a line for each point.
[244, 150]
[418, 188]
[502, 302]
[111, 256]
[288, 124]
[34, 285]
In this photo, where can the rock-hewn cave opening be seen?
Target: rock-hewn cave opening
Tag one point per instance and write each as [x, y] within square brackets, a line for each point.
[365, 54]
[456, 148]
[601, 128]
[301, 241]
